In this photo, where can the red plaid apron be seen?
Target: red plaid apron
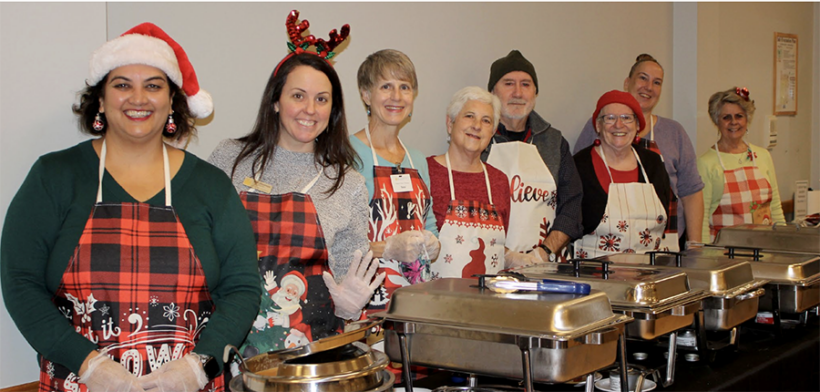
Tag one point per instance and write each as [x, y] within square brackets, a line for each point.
[670, 241]
[747, 196]
[392, 212]
[472, 236]
[134, 287]
[296, 306]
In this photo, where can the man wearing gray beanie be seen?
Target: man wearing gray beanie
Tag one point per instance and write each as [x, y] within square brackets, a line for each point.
[546, 191]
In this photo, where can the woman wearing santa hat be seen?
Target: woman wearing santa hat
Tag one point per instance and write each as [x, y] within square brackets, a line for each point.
[307, 205]
[143, 289]
[626, 195]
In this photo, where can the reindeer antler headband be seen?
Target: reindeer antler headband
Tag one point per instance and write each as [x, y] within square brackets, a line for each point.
[299, 44]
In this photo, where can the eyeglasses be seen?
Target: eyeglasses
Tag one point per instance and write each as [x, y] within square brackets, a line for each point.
[610, 119]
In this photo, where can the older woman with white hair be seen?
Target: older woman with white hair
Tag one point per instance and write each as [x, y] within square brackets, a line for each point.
[471, 199]
[740, 185]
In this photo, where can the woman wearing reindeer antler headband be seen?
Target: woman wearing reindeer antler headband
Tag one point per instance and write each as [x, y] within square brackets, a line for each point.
[740, 184]
[403, 232]
[307, 205]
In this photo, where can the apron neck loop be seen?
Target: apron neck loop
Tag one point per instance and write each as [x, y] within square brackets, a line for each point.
[311, 183]
[452, 185]
[635, 153]
[651, 128]
[373, 151]
[165, 168]
[748, 151]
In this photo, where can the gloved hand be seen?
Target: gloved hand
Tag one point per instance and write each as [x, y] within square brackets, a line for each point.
[356, 288]
[404, 247]
[513, 259]
[104, 375]
[432, 244]
[180, 375]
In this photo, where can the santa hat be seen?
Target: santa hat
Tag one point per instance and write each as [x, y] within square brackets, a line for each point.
[148, 44]
[295, 278]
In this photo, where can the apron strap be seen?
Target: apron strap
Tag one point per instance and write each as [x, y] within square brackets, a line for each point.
[311, 183]
[748, 149]
[640, 164]
[375, 158]
[165, 167]
[452, 187]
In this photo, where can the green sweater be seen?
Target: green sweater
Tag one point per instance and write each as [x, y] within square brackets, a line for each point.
[47, 216]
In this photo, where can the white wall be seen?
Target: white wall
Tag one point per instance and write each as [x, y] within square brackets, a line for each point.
[735, 48]
[579, 51]
[44, 53]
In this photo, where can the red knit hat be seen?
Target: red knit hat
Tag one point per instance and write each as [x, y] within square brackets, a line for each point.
[147, 44]
[621, 97]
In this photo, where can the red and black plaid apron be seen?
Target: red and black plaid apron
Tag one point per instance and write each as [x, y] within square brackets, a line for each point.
[747, 197]
[671, 233]
[134, 287]
[296, 306]
[393, 212]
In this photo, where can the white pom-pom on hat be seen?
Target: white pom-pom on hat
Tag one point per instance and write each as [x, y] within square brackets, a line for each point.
[148, 44]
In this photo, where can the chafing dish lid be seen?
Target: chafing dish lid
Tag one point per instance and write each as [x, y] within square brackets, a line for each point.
[784, 238]
[720, 276]
[628, 287]
[777, 267]
[460, 303]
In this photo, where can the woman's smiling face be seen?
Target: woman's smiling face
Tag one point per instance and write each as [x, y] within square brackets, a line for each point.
[136, 102]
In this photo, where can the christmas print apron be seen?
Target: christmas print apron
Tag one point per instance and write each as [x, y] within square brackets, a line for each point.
[634, 219]
[296, 307]
[670, 241]
[401, 202]
[747, 197]
[533, 192]
[134, 287]
[472, 236]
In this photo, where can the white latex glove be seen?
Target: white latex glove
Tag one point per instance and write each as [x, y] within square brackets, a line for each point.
[432, 244]
[404, 247]
[350, 296]
[105, 375]
[180, 375]
[513, 259]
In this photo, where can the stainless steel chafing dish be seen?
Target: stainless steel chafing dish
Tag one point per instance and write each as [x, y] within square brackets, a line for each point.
[779, 238]
[338, 363]
[794, 278]
[660, 300]
[734, 292]
[539, 337]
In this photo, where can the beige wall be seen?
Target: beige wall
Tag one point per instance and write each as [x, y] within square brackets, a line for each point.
[735, 48]
[579, 51]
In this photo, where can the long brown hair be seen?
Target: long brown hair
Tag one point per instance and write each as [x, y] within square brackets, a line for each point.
[333, 149]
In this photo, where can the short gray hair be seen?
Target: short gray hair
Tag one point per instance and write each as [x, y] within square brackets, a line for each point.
[473, 93]
[720, 98]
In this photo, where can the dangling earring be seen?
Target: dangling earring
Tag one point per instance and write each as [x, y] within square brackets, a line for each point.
[368, 110]
[597, 142]
[637, 140]
[170, 127]
[98, 124]
[448, 138]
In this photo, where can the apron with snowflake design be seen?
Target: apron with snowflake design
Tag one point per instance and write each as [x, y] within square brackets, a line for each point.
[296, 307]
[133, 287]
[634, 219]
[400, 202]
[533, 193]
[670, 239]
[747, 197]
[472, 236]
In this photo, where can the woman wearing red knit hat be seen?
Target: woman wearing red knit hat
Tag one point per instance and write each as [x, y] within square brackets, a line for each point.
[142, 290]
[626, 188]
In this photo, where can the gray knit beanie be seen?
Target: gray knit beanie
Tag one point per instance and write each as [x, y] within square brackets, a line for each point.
[514, 61]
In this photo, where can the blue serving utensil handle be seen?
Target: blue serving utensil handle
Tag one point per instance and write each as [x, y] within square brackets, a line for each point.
[560, 286]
